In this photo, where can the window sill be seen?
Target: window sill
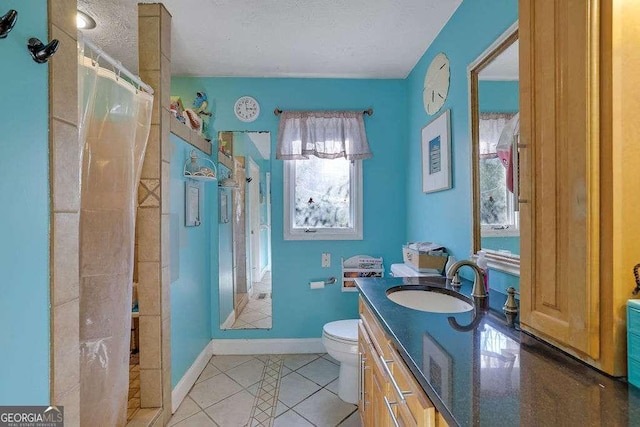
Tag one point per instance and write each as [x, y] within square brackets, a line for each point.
[507, 232]
[301, 235]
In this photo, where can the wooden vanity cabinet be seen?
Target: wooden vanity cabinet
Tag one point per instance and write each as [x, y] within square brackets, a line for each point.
[389, 393]
[578, 154]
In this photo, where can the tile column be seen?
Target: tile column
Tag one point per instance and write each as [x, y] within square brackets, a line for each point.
[64, 163]
[154, 44]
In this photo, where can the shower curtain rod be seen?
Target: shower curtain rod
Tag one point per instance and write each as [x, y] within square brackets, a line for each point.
[117, 64]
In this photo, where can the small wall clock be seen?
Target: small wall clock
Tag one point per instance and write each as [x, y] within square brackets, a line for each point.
[247, 109]
[436, 84]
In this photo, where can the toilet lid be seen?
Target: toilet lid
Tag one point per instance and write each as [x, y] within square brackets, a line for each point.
[342, 329]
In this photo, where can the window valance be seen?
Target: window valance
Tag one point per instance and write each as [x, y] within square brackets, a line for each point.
[324, 134]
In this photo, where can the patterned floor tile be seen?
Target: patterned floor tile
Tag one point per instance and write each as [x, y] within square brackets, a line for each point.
[320, 371]
[324, 409]
[213, 390]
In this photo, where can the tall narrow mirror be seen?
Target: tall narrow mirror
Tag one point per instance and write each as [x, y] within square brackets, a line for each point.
[494, 86]
[244, 223]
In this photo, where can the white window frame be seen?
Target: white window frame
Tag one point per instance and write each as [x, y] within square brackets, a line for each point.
[512, 228]
[355, 191]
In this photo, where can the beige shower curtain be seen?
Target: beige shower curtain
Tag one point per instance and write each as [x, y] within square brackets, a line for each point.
[114, 126]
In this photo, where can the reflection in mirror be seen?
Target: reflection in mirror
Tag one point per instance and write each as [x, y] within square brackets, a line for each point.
[495, 132]
[244, 223]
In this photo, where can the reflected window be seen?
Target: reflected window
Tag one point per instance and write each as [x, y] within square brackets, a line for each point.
[498, 214]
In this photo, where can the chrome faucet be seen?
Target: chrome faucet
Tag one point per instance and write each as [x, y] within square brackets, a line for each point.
[478, 282]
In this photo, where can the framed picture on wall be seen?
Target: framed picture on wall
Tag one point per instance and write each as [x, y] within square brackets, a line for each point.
[191, 204]
[436, 154]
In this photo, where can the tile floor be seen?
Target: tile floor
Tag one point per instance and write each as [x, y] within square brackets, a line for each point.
[257, 313]
[134, 386]
[267, 390]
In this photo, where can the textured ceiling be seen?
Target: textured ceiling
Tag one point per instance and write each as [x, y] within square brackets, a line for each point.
[504, 67]
[281, 38]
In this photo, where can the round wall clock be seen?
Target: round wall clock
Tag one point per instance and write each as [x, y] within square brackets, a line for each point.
[247, 109]
[436, 84]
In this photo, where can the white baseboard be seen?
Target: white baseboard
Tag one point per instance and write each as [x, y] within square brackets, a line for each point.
[267, 346]
[190, 377]
[231, 319]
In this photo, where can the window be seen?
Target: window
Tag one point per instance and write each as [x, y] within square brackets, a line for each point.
[323, 199]
[498, 214]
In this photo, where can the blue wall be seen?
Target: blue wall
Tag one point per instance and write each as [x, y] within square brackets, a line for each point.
[499, 96]
[299, 312]
[191, 291]
[24, 217]
[445, 216]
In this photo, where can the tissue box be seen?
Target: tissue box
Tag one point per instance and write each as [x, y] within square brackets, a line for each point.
[423, 262]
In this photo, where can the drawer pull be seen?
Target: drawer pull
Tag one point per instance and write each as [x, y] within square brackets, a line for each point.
[361, 385]
[390, 410]
[401, 394]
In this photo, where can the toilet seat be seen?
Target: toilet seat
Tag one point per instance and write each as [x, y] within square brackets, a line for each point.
[345, 331]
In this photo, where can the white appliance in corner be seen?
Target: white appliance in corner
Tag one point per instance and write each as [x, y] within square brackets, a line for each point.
[403, 270]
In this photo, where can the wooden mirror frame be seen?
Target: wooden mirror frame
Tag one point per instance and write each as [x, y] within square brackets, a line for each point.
[497, 260]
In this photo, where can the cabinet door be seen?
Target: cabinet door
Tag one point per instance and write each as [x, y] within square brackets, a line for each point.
[364, 376]
[559, 135]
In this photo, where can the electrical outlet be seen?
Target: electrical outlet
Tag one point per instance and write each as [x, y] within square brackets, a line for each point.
[326, 259]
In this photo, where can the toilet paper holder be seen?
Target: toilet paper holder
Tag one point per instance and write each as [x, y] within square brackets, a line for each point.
[330, 281]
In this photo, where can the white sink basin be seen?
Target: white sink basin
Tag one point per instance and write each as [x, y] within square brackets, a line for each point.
[431, 301]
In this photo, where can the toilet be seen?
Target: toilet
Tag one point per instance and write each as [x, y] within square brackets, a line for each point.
[340, 339]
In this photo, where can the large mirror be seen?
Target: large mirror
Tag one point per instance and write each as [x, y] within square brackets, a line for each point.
[494, 110]
[244, 222]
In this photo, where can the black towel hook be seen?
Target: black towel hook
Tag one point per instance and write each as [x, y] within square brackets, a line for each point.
[7, 22]
[41, 52]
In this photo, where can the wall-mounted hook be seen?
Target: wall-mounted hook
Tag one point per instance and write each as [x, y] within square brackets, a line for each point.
[7, 22]
[40, 52]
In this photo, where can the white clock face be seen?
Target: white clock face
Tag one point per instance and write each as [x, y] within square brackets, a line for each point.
[436, 84]
[247, 109]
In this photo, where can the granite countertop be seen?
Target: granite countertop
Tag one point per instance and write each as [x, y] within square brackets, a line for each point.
[486, 373]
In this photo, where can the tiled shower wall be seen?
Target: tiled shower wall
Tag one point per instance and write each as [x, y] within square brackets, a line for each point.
[154, 48]
[65, 198]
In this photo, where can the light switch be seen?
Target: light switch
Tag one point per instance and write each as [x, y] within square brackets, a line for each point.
[326, 259]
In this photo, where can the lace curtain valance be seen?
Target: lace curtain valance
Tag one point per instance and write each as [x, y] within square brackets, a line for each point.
[324, 134]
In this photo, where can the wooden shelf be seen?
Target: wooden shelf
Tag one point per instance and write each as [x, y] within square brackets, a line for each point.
[189, 135]
[227, 161]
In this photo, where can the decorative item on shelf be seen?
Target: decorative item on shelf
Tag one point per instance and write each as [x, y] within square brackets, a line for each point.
[225, 143]
[177, 109]
[201, 104]
[199, 168]
[194, 121]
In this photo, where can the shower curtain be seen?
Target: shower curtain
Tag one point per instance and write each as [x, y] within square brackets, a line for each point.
[114, 126]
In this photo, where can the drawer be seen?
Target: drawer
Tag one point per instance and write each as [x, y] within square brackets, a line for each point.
[633, 320]
[634, 372]
[417, 403]
[376, 333]
[633, 346]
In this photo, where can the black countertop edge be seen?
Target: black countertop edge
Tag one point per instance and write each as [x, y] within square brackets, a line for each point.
[411, 364]
[572, 365]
